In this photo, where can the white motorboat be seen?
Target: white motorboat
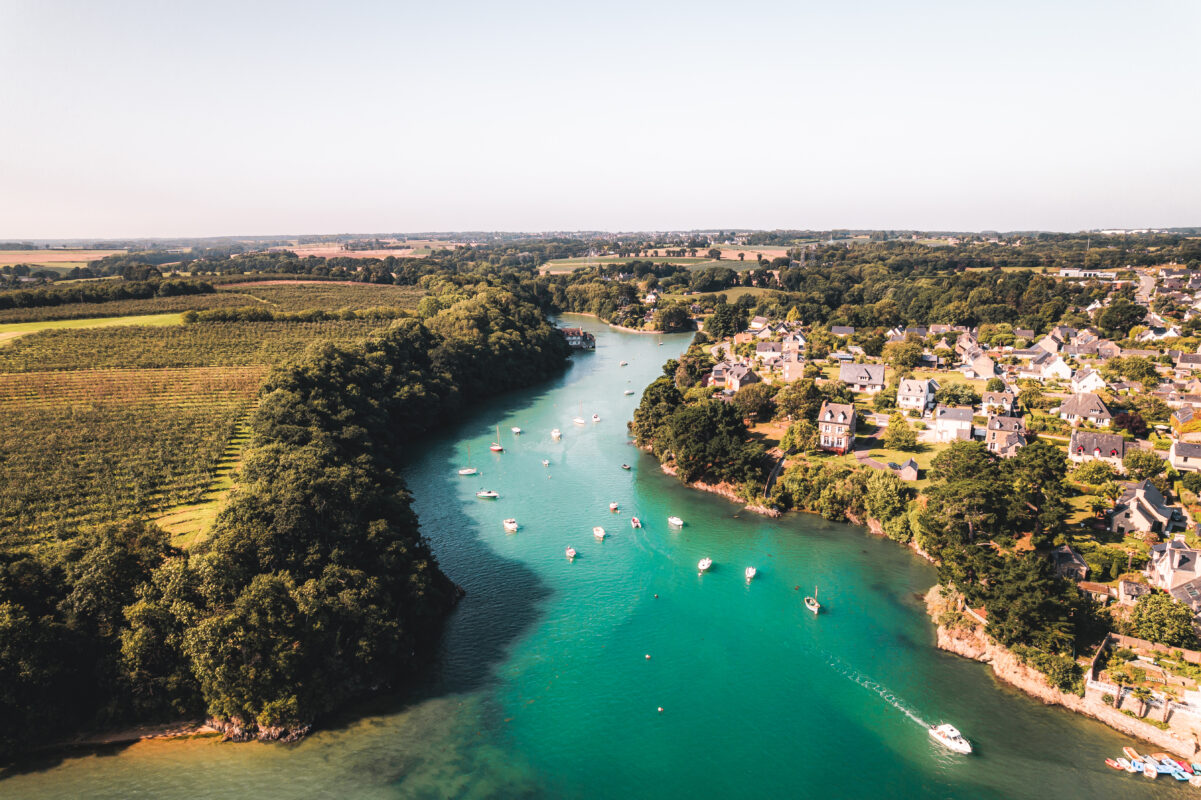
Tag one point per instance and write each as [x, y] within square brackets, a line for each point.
[751, 572]
[510, 525]
[487, 494]
[629, 391]
[950, 737]
[545, 462]
[570, 553]
[580, 421]
[556, 434]
[515, 429]
[596, 417]
[624, 363]
[704, 564]
[679, 523]
[598, 532]
[635, 522]
[613, 506]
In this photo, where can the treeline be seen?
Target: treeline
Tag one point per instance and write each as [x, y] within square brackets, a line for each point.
[316, 585]
[968, 520]
[262, 314]
[102, 292]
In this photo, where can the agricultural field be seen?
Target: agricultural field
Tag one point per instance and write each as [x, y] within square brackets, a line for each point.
[54, 258]
[117, 308]
[413, 248]
[202, 344]
[151, 320]
[572, 264]
[297, 296]
[93, 445]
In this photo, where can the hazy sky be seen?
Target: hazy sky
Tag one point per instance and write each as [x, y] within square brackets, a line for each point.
[205, 118]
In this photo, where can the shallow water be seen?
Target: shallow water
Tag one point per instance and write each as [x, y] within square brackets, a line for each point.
[542, 687]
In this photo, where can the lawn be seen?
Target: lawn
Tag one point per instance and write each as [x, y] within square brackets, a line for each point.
[945, 377]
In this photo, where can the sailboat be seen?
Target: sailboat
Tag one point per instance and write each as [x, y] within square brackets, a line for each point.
[811, 602]
[580, 419]
[495, 446]
[468, 470]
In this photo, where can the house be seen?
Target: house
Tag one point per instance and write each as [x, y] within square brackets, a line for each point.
[793, 367]
[1107, 447]
[842, 330]
[998, 402]
[1087, 379]
[862, 377]
[1023, 333]
[758, 323]
[1049, 343]
[578, 338]
[1069, 564]
[766, 350]
[836, 427]
[1100, 592]
[717, 376]
[794, 342]
[1141, 507]
[1107, 350]
[907, 471]
[1186, 424]
[1130, 591]
[1157, 334]
[740, 375]
[1005, 435]
[980, 366]
[916, 395]
[1046, 366]
[1185, 456]
[952, 424]
[651, 299]
[1175, 568]
[1085, 407]
[1188, 362]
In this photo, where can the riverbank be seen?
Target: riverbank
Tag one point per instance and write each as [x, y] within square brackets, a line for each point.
[970, 641]
[621, 328]
[726, 490]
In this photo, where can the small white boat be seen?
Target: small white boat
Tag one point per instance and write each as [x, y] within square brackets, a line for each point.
[613, 506]
[679, 523]
[629, 391]
[750, 573]
[704, 564]
[596, 417]
[598, 532]
[950, 737]
[556, 434]
[570, 553]
[468, 471]
[510, 525]
[624, 363]
[580, 421]
[626, 467]
[635, 522]
[811, 602]
[487, 494]
[515, 429]
[545, 462]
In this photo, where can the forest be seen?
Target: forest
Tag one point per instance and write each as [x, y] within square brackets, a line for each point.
[315, 586]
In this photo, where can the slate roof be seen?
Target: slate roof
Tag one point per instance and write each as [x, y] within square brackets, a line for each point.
[862, 373]
[1085, 405]
[1110, 445]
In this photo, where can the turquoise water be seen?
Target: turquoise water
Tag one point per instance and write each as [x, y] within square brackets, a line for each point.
[542, 687]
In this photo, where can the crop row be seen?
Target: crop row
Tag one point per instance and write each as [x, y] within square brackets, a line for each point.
[122, 308]
[334, 296]
[197, 345]
[166, 388]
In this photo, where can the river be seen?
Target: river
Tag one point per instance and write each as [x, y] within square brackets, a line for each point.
[542, 686]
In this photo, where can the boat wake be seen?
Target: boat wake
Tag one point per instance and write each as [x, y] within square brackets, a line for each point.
[855, 676]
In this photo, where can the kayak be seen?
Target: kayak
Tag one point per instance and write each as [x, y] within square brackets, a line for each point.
[1109, 762]
[1125, 764]
[1131, 754]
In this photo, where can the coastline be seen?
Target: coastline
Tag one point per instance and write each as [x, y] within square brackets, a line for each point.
[974, 644]
[620, 327]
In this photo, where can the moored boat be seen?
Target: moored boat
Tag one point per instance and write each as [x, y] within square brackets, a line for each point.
[1195, 780]
[1109, 762]
[495, 446]
[515, 429]
[1131, 754]
[1125, 764]
[570, 553]
[625, 466]
[811, 602]
[598, 532]
[1149, 770]
[628, 391]
[545, 462]
[510, 525]
[556, 434]
[751, 572]
[596, 417]
[679, 523]
[635, 522]
[613, 506]
[623, 363]
[949, 737]
[468, 471]
[580, 421]
[704, 564]
[487, 494]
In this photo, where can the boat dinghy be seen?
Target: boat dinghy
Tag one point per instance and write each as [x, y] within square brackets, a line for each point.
[704, 564]
[487, 494]
[750, 573]
[598, 532]
[679, 523]
[635, 522]
[510, 526]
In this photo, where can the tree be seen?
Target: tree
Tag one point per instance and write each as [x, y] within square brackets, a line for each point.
[1094, 473]
[1143, 464]
[756, 400]
[902, 355]
[899, 435]
[1037, 497]
[886, 500]
[725, 321]
[1157, 617]
[659, 402]
[1143, 695]
[1119, 317]
[1122, 679]
[801, 399]
[1130, 421]
[957, 394]
[1170, 695]
[709, 438]
[994, 385]
[800, 437]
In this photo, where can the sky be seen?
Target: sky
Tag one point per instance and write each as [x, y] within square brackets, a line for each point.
[132, 119]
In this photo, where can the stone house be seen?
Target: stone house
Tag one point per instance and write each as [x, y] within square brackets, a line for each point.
[1175, 568]
[1141, 507]
[998, 402]
[1088, 446]
[1069, 564]
[836, 427]
[740, 375]
[1005, 435]
[1087, 407]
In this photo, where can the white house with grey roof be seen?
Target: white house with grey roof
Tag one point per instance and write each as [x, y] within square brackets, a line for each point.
[1141, 507]
[863, 377]
[1176, 568]
[1185, 456]
[952, 424]
[1087, 380]
[916, 395]
[1085, 407]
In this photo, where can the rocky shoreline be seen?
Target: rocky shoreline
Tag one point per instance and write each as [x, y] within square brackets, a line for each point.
[972, 643]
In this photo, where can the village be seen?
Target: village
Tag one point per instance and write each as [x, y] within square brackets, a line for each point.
[1125, 410]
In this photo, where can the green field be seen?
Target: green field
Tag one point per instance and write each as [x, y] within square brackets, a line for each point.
[571, 264]
[153, 320]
